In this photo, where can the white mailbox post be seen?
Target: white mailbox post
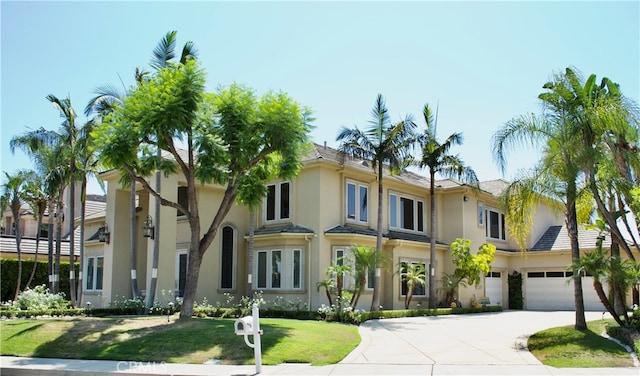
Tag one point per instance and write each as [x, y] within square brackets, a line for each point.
[250, 325]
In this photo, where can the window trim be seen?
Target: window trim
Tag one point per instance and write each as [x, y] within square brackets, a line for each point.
[397, 217]
[287, 271]
[425, 263]
[357, 186]
[480, 214]
[94, 274]
[502, 228]
[278, 203]
[234, 252]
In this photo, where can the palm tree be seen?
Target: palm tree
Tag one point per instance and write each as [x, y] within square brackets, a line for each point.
[366, 260]
[338, 271]
[382, 143]
[328, 285]
[437, 159]
[45, 149]
[38, 201]
[69, 135]
[413, 275]
[555, 177]
[13, 196]
[596, 264]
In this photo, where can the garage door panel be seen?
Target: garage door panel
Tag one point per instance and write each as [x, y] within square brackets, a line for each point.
[548, 291]
[493, 288]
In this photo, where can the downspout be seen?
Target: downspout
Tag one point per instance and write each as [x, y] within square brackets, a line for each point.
[309, 268]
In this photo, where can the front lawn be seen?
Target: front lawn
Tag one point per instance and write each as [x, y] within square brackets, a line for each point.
[153, 339]
[567, 347]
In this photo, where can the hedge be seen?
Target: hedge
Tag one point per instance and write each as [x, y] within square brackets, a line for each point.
[9, 276]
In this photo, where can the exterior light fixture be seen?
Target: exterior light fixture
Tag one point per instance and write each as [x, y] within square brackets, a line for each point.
[103, 233]
[147, 228]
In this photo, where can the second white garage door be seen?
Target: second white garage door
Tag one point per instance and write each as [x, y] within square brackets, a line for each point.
[549, 290]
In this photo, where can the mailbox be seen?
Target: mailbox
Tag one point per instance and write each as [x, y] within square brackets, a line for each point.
[244, 326]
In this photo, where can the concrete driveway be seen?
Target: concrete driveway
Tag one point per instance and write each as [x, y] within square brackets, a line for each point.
[474, 339]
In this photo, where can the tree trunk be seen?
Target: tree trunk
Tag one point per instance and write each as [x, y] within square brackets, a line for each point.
[375, 299]
[15, 211]
[50, 251]
[83, 205]
[151, 291]
[133, 241]
[41, 207]
[252, 230]
[56, 264]
[72, 237]
[432, 235]
[572, 228]
[603, 298]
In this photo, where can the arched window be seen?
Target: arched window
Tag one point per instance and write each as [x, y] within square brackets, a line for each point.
[226, 259]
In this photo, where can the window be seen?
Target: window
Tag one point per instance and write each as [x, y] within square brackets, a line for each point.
[95, 271]
[480, 214]
[495, 228]
[418, 289]
[181, 273]
[357, 202]
[277, 205]
[406, 213]
[227, 253]
[183, 199]
[342, 256]
[279, 269]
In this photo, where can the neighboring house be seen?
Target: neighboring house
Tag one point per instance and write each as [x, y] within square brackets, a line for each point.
[95, 208]
[310, 222]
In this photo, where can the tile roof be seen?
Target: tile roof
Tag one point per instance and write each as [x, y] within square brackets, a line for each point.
[391, 235]
[28, 246]
[283, 229]
[349, 229]
[495, 187]
[400, 235]
[556, 238]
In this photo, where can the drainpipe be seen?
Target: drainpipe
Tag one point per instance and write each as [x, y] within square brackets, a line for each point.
[309, 268]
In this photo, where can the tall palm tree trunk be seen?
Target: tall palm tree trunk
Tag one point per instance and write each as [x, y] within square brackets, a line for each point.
[72, 237]
[83, 206]
[605, 301]
[15, 211]
[50, 250]
[572, 228]
[432, 241]
[56, 263]
[133, 260]
[41, 207]
[155, 258]
[375, 300]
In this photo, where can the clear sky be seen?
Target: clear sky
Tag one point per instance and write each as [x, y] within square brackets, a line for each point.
[482, 63]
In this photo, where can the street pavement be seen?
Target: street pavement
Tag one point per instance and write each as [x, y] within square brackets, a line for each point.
[472, 344]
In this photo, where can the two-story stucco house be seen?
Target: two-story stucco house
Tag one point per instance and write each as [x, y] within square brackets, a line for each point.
[309, 222]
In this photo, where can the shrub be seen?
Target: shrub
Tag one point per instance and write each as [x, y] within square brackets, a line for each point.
[39, 298]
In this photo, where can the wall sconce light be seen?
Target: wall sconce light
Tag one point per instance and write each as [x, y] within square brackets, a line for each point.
[103, 233]
[465, 198]
[147, 229]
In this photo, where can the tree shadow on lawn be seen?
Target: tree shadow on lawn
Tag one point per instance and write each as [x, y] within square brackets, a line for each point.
[179, 341]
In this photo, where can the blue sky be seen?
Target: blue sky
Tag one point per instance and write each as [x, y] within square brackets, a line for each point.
[483, 63]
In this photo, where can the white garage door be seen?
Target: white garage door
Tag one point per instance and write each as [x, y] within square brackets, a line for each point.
[553, 290]
[493, 285]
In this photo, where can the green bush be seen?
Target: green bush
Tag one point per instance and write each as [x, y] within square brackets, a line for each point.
[9, 275]
[39, 298]
[516, 300]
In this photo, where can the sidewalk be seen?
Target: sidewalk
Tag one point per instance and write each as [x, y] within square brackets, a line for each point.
[479, 344]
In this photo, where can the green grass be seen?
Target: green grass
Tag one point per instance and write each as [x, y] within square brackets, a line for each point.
[565, 346]
[179, 341]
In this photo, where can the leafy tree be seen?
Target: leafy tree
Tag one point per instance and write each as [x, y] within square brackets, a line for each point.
[471, 266]
[436, 157]
[413, 275]
[382, 143]
[13, 196]
[231, 138]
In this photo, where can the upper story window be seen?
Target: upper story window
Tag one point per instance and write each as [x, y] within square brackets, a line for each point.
[406, 213]
[357, 202]
[495, 225]
[278, 202]
[183, 199]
